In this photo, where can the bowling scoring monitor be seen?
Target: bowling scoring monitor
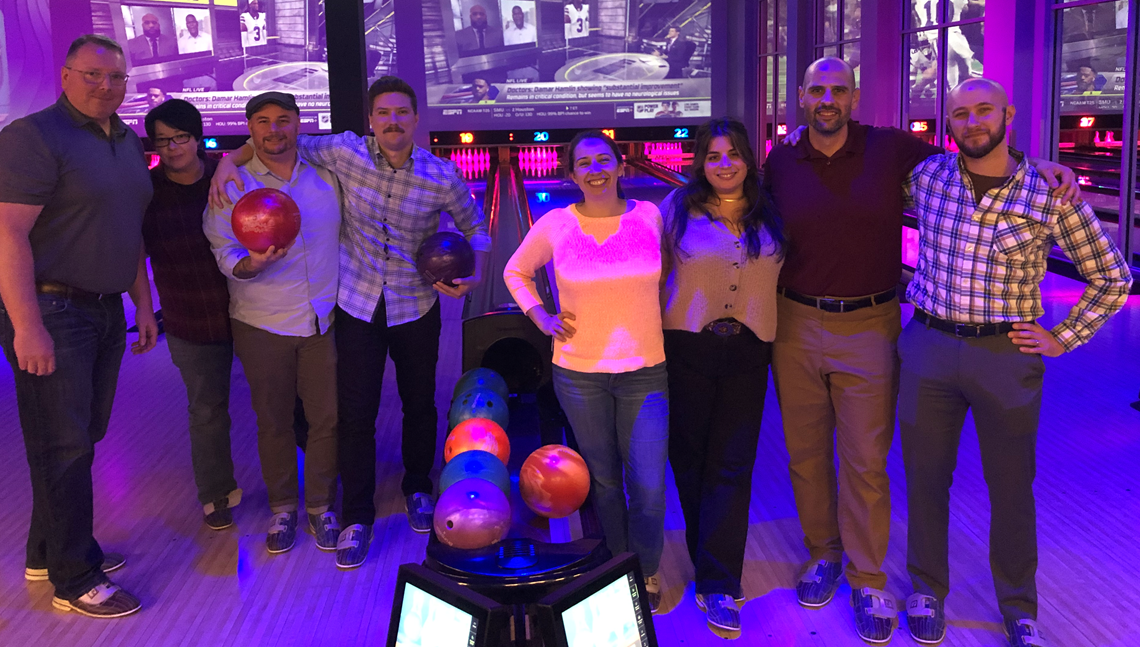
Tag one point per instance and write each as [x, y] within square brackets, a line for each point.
[603, 608]
[430, 610]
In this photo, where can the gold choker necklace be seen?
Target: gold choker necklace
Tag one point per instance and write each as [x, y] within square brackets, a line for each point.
[723, 199]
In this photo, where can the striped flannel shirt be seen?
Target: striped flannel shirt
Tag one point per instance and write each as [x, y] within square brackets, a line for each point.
[984, 262]
[387, 213]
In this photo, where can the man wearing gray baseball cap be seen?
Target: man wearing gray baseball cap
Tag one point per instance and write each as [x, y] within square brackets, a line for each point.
[281, 311]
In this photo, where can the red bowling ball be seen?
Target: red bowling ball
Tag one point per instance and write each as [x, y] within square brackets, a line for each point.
[477, 433]
[264, 218]
[473, 513]
[554, 481]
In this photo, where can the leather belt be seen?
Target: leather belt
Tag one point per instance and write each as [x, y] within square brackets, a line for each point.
[68, 292]
[838, 305]
[960, 329]
[725, 327]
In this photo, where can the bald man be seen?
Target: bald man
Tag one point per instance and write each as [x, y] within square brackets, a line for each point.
[480, 34]
[152, 44]
[987, 222]
[834, 359]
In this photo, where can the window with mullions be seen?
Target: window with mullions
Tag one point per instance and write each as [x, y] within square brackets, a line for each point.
[773, 70]
[1090, 89]
[838, 30]
[938, 35]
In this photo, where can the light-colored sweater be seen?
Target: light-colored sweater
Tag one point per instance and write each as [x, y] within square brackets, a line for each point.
[714, 278]
[608, 272]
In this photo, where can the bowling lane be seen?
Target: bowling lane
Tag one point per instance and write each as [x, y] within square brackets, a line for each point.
[544, 194]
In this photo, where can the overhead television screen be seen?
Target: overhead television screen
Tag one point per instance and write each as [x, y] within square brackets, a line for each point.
[215, 54]
[620, 62]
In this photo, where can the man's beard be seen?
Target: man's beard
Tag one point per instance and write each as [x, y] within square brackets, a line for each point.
[977, 152]
[823, 129]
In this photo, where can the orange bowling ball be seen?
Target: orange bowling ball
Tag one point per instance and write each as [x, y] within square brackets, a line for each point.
[554, 481]
[477, 433]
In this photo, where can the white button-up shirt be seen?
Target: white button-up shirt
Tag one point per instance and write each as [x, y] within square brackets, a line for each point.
[294, 296]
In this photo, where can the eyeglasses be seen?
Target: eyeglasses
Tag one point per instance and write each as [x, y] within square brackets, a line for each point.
[95, 77]
[163, 142]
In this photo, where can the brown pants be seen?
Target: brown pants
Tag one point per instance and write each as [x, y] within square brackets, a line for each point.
[836, 380]
[279, 369]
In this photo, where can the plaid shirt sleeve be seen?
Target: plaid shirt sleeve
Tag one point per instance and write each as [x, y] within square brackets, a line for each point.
[324, 150]
[461, 205]
[1082, 239]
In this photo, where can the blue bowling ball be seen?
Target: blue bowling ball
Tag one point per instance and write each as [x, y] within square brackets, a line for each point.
[478, 403]
[481, 378]
[475, 463]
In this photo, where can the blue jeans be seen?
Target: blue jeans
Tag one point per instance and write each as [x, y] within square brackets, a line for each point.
[621, 422]
[62, 416]
[205, 370]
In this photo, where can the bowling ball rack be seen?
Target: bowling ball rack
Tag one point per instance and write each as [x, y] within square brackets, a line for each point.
[524, 568]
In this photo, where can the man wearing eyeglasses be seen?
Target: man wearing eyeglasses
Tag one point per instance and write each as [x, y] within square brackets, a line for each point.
[73, 189]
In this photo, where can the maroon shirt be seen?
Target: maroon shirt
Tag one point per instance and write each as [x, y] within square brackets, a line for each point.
[843, 214]
[192, 290]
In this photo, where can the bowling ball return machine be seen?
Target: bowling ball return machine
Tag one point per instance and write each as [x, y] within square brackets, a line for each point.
[539, 556]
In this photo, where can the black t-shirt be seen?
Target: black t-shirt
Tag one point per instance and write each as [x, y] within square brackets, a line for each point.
[983, 183]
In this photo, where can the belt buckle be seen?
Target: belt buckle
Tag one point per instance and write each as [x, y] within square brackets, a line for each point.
[960, 330]
[722, 328]
[819, 302]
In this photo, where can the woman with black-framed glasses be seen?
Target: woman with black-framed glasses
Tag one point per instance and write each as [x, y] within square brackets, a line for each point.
[195, 299]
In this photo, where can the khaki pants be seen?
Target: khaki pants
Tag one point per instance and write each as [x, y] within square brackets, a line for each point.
[836, 380]
[279, 369]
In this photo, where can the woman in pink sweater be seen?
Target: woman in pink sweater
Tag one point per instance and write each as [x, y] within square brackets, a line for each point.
[609, 355]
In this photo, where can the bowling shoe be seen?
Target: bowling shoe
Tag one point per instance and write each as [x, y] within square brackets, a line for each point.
[721, 609]
[111, 562]
[1024, 633]
[325, 528]
[106, 600]
[221, 516]
[818, 583]
[653, 592]
[875, 615]
[282, 532]
[352, 546]
[926, 619]
[420, 511]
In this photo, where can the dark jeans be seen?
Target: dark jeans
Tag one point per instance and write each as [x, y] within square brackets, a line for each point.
[205, 370]
[942, 378]
[621, 423]
[62, 416]
[362, 347]
[716, 399]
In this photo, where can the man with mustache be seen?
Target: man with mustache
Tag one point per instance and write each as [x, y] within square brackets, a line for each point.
[281, 315]
[152, 44]
[987, 223]
[394, 192]
[834, 359]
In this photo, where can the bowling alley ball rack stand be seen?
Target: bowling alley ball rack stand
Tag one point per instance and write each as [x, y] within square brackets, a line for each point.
[522, 569]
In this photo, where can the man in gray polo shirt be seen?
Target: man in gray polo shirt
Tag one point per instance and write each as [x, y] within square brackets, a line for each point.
[73, 189]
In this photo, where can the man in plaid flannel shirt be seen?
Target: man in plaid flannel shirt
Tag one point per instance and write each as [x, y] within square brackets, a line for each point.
[393, 194]
[987, 222]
